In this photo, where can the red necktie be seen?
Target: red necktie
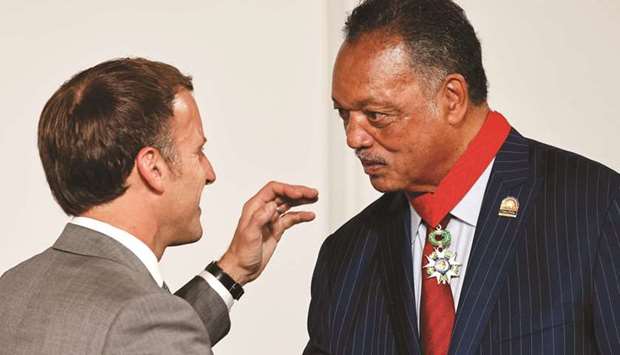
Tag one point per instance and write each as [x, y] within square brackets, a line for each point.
[437, 314]
[436, 310]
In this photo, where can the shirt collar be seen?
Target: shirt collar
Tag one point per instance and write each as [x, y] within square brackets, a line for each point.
[468, 208]
[415, 220]
[135, 245]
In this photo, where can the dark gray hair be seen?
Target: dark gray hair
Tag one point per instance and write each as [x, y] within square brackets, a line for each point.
[438, 35]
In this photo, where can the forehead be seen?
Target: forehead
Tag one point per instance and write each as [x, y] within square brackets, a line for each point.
[186, 123]
[371, 67]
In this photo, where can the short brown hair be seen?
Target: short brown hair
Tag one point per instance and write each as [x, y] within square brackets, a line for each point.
[94, 125]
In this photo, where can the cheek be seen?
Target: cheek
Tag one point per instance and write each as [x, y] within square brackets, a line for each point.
[411, 155]
[390, 141]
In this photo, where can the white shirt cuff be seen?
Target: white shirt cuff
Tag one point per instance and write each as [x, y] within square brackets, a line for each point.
[217, 286]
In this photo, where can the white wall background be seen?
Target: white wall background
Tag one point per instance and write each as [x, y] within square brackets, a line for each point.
[262, 72]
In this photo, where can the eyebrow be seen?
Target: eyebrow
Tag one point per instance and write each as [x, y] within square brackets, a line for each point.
[362, 103]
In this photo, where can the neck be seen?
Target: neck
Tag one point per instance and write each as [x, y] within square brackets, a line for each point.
[474, 119]
[136, 221]
[472, 123]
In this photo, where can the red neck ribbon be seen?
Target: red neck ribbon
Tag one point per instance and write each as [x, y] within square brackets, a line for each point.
[433, 207]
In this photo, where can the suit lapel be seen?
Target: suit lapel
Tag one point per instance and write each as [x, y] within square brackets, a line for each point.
[396, 265]
[494, 242]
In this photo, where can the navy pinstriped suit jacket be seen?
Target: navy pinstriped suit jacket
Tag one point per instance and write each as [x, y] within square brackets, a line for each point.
[546, 282]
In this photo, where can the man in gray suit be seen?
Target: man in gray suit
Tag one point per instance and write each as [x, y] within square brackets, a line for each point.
[122, 149]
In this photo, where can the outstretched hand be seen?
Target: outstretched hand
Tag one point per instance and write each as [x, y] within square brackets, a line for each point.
[264, 218]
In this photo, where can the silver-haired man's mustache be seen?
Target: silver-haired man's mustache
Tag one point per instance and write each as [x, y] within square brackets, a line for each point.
[368, 158]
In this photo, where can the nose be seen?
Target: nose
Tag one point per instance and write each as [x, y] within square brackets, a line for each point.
[210, 173]
[357, 135]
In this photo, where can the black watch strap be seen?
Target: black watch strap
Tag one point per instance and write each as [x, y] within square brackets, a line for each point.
[234, 288]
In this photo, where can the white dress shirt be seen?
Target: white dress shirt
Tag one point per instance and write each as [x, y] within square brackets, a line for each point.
[146, 255]
[462, 226]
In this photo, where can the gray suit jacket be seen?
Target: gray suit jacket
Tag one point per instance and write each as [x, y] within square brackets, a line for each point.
[88, 294]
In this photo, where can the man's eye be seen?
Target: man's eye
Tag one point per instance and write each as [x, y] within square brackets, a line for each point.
[374, 116]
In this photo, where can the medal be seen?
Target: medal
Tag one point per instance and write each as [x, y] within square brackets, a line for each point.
[441, 262]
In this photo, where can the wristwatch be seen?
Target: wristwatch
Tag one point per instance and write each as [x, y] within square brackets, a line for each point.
[233, 287]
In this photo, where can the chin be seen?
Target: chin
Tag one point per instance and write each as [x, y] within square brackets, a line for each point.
[194, 237]
[188, 237]
[188, 240]
[383, 184]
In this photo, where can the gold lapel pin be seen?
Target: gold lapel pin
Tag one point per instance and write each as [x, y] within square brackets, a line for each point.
[509, 207]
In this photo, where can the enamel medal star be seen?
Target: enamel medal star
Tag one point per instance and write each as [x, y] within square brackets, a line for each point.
[442, 265]
[442, 262]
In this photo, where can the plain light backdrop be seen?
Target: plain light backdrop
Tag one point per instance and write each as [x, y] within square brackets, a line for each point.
[262, 72]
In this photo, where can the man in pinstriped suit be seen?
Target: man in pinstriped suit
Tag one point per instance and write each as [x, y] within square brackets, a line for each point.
[122, 148]
[535, 230]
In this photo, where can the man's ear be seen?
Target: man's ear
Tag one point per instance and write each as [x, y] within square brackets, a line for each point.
[152, 168]
[454, 97]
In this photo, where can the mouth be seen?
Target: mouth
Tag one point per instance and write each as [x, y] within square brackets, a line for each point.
[372, 167]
